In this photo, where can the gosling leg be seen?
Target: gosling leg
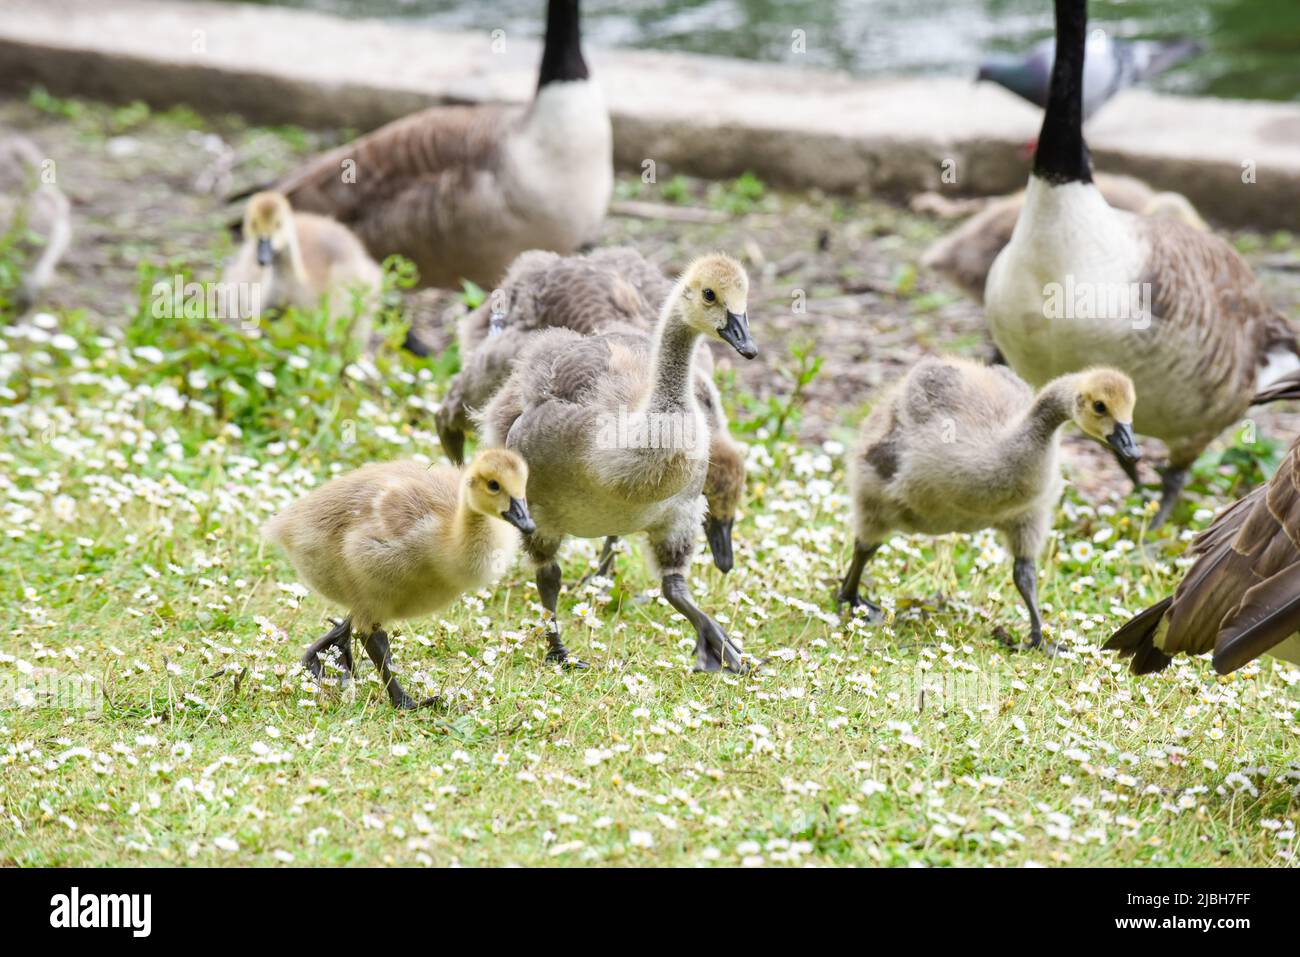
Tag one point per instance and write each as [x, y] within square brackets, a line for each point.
[849, 587]
[713, 649]
[605, 563]
[377, 648]
[1025, 573]
[1172, 480]
[548, 587]
[451, 432]
[341, 635]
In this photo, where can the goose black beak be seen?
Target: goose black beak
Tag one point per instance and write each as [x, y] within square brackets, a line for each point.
[736, 334]
[1123, 442]
[517, 515]
[264, 252]
[718, 533]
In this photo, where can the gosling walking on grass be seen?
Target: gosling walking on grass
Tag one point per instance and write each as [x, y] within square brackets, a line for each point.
[960, 447]
[401, 539]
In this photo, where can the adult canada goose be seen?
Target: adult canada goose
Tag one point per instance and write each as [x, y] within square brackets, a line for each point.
[617, 443]
[296, 259]
[960, 447]
[966, 254]
[400, 539]
[463, 190]
[1110, 65]
[610, 290]
[1241, 597]
[34, 215]
[1081, 283]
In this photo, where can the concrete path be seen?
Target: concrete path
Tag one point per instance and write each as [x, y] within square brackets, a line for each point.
[1239, 162]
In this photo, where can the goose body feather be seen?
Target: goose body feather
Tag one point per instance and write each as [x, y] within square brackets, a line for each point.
[1241, 596]
[461, 191]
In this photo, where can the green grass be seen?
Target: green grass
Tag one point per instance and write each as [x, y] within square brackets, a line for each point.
[137, 467]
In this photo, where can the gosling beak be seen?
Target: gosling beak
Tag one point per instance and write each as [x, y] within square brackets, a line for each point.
[736, 334]
[517, 515]
[718, 533]
[1123, 442]
[264, 252]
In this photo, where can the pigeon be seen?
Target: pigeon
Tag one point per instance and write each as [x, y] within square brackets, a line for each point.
[1110, 65]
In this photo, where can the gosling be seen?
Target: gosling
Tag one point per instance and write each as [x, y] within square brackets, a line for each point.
[398, 540]
[34, 214]
[610, 290]
[580, 409]
[297, 259]
[960, 447]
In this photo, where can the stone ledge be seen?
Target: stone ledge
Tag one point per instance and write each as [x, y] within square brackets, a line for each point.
[702, 115]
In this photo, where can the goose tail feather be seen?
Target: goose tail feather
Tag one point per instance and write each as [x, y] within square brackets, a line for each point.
[1136, 640]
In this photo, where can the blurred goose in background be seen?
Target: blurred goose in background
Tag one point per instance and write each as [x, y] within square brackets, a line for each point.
[959, 447]
[462, 190]
[296, 259]
[397, 540]
[589, 414]
[1241, 597]
[34, 215]
[610, 290]
[1110, 65]
[1081, 283]
[965, 256]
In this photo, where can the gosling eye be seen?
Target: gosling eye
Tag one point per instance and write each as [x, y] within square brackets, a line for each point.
[709, 296]
[1099, 407]
[494, 486]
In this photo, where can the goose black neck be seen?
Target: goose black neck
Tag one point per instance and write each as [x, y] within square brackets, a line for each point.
[1062, 155]
[562, 55]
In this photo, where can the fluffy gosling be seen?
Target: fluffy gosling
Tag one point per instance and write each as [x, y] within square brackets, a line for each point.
[960, 447]
[398, 540]
[295, 259]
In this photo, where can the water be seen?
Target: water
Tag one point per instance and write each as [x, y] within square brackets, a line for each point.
[1253, 46]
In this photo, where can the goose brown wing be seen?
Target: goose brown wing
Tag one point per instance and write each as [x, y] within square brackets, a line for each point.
[1242, 596]
[416, 159]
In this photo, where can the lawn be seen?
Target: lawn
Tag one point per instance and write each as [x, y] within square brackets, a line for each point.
[152, 709]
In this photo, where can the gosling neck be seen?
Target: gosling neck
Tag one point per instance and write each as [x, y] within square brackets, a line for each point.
[1036, 435]
[469, 524]
[291, 256]
[672, 359]
[1062, 154]
[562, 55]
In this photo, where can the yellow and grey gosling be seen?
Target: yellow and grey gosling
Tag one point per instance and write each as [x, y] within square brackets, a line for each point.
[612, 289]
[1241, 597]
[399, 540]
[462, 190]
[35, 213]
[1081, 283]
[299, 259]
[616, 441]
[959, 447]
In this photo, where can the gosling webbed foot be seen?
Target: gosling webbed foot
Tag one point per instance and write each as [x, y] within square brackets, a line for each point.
[560, 656]
[860, 606]
[715, 651]
[1034, 641]
[339, 636]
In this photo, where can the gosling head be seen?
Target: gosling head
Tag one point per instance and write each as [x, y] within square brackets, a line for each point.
[1103, 408]
[715, 292]
[268, 222]
[495, 484]
[722, 490]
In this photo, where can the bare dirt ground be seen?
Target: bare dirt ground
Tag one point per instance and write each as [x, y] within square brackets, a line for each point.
[835, 272]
